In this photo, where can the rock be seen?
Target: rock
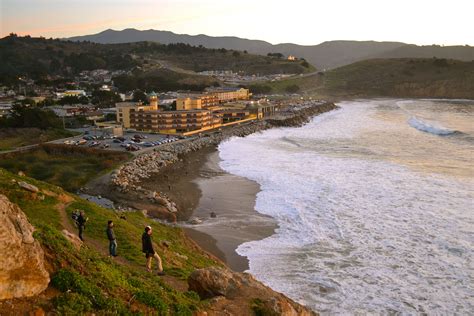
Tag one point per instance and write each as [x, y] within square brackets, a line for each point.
[238, 290]
[22, 268]
[28, 187]
[213, 215]
[181, 256]
[74, 239]
[21, 174]
[212, 282]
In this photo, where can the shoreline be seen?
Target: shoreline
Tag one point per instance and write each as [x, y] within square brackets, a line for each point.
[232, 199]
[169, 183]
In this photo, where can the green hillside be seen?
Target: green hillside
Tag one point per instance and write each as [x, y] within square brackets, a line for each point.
[87, 280]
[407, 77]
[39, 58]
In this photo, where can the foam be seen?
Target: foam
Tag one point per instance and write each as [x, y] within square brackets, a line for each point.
[356, 234]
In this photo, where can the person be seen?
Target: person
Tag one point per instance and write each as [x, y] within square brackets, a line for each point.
[81, 224]
[147, 248]
[112, 240]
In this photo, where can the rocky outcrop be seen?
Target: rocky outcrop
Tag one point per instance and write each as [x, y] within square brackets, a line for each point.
[73, 239]
[22, 269]
[240, 294]
[127, 178]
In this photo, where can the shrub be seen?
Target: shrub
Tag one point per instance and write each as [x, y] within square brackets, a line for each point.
[67, 280]
[152, 300]
[72, 304]
[292, 88]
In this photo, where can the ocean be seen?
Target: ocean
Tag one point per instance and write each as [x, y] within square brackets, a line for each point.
[374, 204]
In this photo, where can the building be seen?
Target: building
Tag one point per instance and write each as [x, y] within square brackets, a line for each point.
[232, 115]
[224, 95]
[172, 121]
[123, 111]
[188, 103]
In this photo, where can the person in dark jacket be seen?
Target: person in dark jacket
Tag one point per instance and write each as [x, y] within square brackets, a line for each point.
[81, 224]
[147, 248]
[112, 240]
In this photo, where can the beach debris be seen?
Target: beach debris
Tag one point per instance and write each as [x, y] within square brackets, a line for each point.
[28, 187]
[195, 221]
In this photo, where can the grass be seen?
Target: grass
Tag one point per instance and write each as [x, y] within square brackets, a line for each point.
[11, 138]
[65, 166]
[88, 281]
[406, 77]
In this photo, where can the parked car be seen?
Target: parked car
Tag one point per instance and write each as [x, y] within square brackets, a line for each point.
[121, 138]
[81, 142]
[94, 144]
[117, 141]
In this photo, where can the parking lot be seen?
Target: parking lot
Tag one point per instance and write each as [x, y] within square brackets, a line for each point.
[136, 142]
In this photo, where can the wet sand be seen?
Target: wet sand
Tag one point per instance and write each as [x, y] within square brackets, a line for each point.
[232, 199]
[199, 186]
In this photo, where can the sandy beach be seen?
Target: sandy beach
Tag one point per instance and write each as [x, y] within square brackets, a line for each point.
[232, 199]
[199, 186]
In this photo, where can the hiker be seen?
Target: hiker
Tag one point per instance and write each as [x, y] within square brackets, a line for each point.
[147, 248]
[112, 240]
[81, 224]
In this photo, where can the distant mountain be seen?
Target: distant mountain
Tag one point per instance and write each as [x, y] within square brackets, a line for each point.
[326, 55]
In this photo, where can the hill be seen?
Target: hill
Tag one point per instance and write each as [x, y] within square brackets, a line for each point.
[405, 77]
[327, 55]
[41, 58]
[60, 275]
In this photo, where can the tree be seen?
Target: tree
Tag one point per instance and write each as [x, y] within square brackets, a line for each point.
[235, 53]
[31, 116]
[105, 99]
[140, 96]
[305, 64]
[275, 55]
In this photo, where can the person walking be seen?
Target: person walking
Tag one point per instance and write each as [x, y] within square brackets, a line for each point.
[147, 248]
[112, 240]
[81, 224]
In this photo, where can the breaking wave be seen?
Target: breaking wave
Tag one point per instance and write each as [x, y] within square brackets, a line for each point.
[430, 128]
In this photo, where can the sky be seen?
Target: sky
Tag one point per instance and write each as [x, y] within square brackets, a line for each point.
[306, 22]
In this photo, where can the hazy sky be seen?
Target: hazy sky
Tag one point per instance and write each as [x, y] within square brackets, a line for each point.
[297, 21]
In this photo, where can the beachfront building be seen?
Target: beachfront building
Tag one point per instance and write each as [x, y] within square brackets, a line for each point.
[224, 95]
[194, 112]
[123, 111]
[171, 122]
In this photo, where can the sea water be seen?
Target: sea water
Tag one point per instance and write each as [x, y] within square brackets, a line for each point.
[375, 207]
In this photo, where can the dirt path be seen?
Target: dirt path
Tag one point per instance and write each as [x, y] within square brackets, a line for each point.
[64, 201]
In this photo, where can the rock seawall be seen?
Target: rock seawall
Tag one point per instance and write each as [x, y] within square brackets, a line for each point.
[127, 178]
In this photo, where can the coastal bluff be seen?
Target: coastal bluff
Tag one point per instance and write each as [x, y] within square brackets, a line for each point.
[22, 265]
[127, 178]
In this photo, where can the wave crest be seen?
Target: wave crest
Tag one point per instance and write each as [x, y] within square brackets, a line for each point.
[430, 128]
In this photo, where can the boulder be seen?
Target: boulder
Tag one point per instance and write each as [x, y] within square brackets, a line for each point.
[22, 266]
[73, 239]
[238, 292]
[28, 187]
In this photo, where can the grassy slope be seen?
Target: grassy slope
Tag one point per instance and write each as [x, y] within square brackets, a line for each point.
[69, 169]
[407, 77]
[11, 138]
[87, 280]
